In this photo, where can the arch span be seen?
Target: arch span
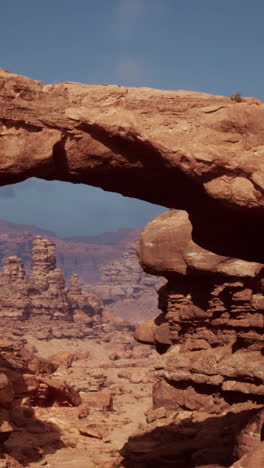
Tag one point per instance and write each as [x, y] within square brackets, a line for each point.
[186, 150]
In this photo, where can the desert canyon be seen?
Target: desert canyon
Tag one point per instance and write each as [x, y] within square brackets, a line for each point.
[80, 385]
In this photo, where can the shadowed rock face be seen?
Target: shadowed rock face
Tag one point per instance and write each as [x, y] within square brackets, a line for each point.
[210, 330]
[186, 150]
[210, 335]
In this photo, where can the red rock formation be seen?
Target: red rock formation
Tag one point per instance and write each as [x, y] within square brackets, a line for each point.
[47, 288]
[183, 150]
[26, 381]
[210, 330]
[86, 307]
[44, 294]
[14, 299]
[212, 310]
[180, 149]
[82, 255]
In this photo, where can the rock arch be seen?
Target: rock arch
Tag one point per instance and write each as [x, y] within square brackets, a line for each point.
[185, 150]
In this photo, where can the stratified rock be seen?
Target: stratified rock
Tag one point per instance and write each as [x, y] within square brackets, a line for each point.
[180, 149]
[43, 258]
[85, 306]
[44, 295]
[47, 293]
[83, 255]
[126, 290]
[14, 296]
[210, 331]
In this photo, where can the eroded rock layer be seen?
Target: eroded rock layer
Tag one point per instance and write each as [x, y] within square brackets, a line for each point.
[186, 150]
[183, 150]
[43, 294]
[210, 330]
[125, 289]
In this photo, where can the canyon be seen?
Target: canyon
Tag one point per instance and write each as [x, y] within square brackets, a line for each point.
[107, 265]
[71, 375]
[83, 255]
[186, 151]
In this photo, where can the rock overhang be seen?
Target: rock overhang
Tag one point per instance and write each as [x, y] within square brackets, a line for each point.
[180, 149]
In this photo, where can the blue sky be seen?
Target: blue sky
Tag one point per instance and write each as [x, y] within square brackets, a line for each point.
[201, 45]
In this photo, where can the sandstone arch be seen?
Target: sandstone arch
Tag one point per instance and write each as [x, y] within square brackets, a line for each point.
[186, 150]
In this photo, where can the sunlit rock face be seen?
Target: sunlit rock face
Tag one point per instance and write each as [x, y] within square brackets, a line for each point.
[180, 149]
[14, 297]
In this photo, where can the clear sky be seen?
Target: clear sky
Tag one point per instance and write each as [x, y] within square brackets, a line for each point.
[202, 45]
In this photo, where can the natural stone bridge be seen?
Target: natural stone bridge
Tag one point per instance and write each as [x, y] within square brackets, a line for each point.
[186, 150]
[191, 151]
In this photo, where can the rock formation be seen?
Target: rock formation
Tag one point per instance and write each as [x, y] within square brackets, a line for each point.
[44, 295]
[210, 330]
[179, 149]
[14, 289]
[82, 255]
[86, 307]
[183, 150]
[126, 290]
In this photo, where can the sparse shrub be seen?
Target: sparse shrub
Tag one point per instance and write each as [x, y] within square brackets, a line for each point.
[236, 97]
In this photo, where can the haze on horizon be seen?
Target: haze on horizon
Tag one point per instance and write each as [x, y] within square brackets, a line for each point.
[201, 46]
